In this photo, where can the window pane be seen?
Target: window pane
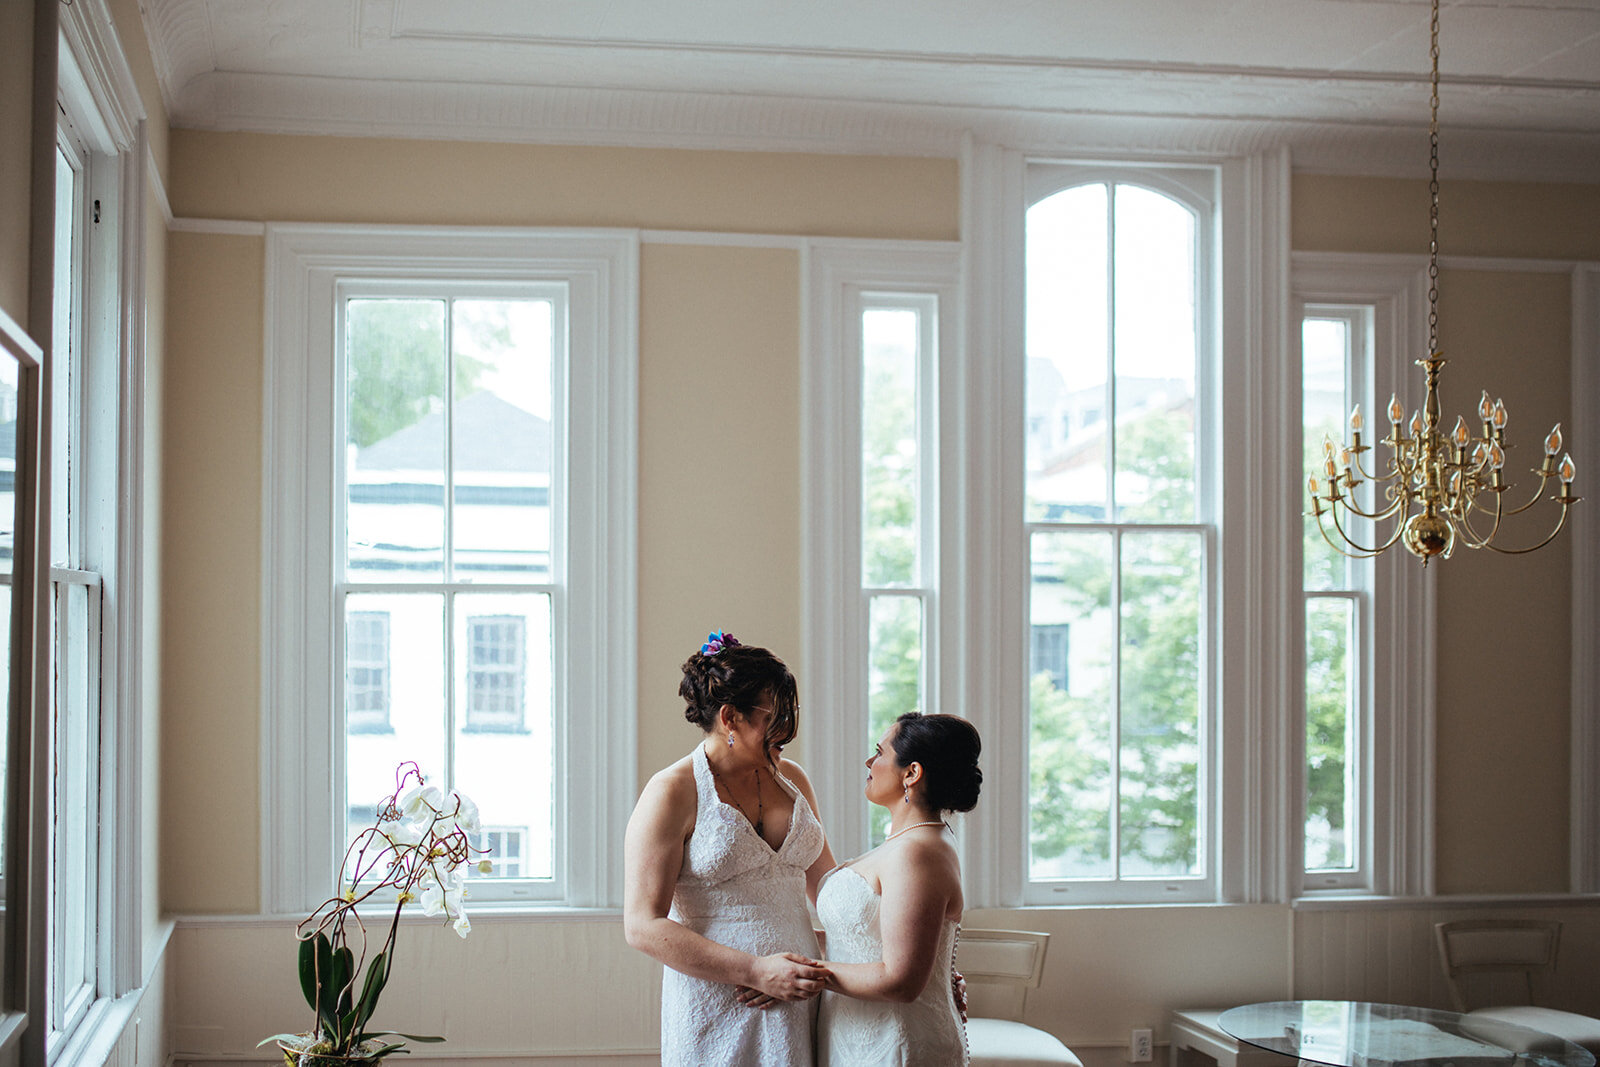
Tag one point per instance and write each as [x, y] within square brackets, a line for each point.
[1331, 718]
[414, 716]
[504, 743]
[395, 365]
[502, 458]
[1155, 343]
[1325, 374]
[894, 674]
[1070, 771]
[1067, 294]
[890, 463]
[1160, 757]
[76, 795]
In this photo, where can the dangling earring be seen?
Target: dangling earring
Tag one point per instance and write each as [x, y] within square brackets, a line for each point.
[907, 794]
[730, 738]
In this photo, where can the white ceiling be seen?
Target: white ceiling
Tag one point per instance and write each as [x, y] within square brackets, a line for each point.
[1343, 82]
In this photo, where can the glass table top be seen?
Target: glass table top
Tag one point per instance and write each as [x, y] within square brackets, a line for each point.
[1344, 1033]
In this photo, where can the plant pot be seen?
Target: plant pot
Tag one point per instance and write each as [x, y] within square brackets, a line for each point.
[298, 1054]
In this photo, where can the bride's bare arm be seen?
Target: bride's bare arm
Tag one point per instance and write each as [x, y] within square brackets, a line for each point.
[653, 855]
[918, 888]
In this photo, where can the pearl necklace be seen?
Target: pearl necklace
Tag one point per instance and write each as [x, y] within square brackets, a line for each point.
[913, 826]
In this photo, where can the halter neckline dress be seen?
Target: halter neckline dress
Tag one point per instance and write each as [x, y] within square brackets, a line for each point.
[737, 890]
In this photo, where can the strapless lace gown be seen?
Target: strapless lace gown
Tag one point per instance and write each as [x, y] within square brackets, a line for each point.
[927, 1032]
[735, 890]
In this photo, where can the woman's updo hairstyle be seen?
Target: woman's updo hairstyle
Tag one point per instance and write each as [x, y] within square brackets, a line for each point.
[947, 746]
[740, 675]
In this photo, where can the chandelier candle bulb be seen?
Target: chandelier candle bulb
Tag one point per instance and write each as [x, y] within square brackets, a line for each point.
[1552, 444]
[1397, 413]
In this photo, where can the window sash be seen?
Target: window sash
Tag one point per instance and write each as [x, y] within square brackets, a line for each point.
[1194, 190]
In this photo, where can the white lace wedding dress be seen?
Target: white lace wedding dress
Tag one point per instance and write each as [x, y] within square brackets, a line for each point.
[735, 890]
[927, 1032]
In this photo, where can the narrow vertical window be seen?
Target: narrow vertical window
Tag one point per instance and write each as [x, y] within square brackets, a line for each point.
[75, 670]
[1335, 342]
[1117, 544]
[452, 416]
[897, 352]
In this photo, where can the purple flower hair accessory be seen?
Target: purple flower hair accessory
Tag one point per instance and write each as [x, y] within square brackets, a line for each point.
[716, 641]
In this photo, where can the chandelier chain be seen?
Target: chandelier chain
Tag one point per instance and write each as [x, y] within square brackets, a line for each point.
[1433, 186]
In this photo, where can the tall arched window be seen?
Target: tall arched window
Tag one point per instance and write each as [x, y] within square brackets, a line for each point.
[1119, 538]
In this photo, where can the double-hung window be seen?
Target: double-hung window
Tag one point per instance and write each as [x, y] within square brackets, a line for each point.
[90, 885]
[1363, 702]
[882, 316]
[1118, 534]
[478, 556]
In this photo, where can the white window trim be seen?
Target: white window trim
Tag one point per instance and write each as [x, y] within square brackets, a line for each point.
[835, 274]
[304, 266]
[1255, 593]
[98, 92]
[1398, 749]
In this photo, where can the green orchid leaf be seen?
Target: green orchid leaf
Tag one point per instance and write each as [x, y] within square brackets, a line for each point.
[395, 1033]
[327, 986]
[381, 1051]
[336, 995]
[279, 1037]
[377, 975]
[308, 970]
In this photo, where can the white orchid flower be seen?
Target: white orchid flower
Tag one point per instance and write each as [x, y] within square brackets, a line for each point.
[466, 813]
[422, 802]
[402, 834]
[462, 925]
[444, 899]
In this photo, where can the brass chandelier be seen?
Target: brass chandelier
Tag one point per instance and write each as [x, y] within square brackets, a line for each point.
[1440, 490]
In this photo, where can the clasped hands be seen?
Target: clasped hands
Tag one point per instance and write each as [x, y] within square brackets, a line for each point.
[788, 976]
[785, 976]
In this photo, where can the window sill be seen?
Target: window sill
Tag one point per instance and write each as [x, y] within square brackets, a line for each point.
[95, 1040]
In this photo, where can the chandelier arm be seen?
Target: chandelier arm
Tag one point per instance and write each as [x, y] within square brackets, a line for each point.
[1333, 513]
[1374, 516]
[1360, 553]
[1562, 521]
[1537, 490]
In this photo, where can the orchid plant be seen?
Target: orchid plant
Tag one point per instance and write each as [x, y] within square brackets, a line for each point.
[418, 850]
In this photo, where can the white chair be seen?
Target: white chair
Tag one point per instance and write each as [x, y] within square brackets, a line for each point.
[1487, 956]
[1000, 966]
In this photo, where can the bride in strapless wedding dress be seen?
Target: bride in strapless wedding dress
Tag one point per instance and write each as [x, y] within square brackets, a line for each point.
[893, 915]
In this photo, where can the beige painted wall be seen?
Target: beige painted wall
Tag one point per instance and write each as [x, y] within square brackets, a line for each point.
[719, 447]
[16, 132]
[211, 552]
[331, 179]
[1504, 655]
[1531, 220]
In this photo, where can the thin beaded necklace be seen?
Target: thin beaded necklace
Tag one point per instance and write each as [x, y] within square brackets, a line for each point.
[913, 826]
[760, 807]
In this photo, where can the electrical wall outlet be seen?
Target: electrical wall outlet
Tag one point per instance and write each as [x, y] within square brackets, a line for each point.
[1140, 1045]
